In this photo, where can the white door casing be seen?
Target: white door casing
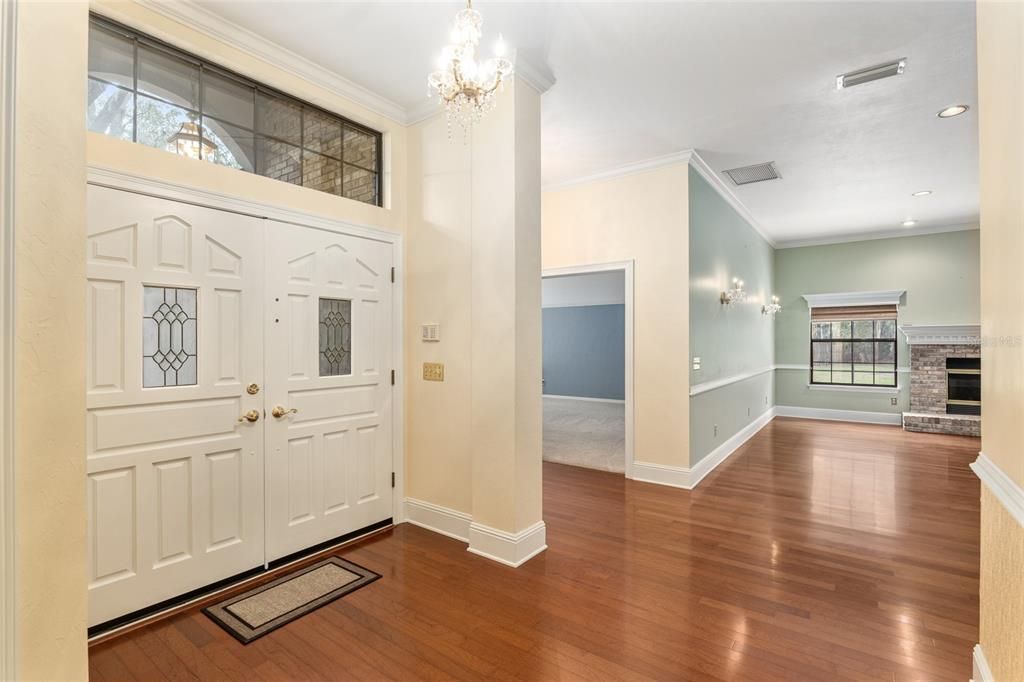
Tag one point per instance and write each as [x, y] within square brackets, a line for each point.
[175, 480]
[329, 463]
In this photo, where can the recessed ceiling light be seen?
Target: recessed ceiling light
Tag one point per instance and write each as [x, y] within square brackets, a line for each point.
[955, 110]
[922, 193]
[909, 223]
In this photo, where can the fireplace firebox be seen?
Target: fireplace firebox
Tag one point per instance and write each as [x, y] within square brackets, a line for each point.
[963, 386]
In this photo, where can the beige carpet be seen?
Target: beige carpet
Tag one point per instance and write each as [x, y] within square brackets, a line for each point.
[584, 433]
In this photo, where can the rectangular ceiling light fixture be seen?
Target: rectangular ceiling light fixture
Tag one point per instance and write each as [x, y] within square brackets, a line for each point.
[872, 73]
[759, 172]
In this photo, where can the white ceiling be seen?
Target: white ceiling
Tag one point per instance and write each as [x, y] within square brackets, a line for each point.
[739, 82]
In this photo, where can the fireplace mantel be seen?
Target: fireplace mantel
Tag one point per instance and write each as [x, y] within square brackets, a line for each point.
[955, 334]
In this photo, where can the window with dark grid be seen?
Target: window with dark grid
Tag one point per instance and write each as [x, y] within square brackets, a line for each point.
[145, 91]
[854, 346]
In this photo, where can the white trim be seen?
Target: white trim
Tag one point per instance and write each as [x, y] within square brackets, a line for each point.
[511, 549]
[434, 517]
[982, 671]
[894, 418]
[870, 236]
[711, 461]
[891, 297]
[195, 16]
[662, 474]
[628, 275]
[1006, 490]
[942, 334]
[807, 368]
[582, 399]
[688, 478]
[8, 54]
[717, 183]
[706, 386]
[624, 170]
[692, 158]
[893, 390]
[114, 179]
[142, 184]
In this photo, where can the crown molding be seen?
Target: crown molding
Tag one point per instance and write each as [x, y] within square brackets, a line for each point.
[942, 334]
[883, 234]
[624, 170]
[714, 179]
[191, 14]
[688, 156]
[890, 297]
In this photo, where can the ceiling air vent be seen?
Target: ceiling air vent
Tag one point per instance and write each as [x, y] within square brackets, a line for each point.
[872, 73]
[759, 172]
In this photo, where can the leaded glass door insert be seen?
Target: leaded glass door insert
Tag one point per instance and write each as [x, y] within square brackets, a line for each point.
[335, 337]
[169, 337]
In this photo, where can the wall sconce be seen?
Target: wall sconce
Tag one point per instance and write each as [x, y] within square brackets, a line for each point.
[772, 308]
[735, 295]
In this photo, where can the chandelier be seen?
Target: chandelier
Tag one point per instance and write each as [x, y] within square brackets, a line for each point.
[468, 86]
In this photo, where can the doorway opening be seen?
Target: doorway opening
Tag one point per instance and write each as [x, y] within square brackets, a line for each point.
[588, 366]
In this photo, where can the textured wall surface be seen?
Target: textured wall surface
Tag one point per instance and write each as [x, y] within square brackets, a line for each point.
[1001, 129]
[49, 346]
[1002, 589]
[584, 351]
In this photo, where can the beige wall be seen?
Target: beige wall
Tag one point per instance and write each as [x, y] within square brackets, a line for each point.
[438, 443]
[1000, 102]
[473, 441]
[642, 217]
[49, 342]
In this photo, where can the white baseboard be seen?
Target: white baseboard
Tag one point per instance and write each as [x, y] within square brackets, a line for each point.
[731, 445]
[662, 474]
[588, 400]
[982, 673]
[688, 478]
[839, 415]
[454, 524]
[511, 549]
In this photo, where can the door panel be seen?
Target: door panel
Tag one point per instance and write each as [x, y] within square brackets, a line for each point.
[328, 344]
[174, 335]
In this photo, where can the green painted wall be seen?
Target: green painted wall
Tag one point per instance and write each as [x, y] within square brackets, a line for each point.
[729, 340]
[940, 273]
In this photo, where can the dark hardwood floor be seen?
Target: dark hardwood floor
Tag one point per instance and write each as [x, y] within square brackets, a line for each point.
[819, 551]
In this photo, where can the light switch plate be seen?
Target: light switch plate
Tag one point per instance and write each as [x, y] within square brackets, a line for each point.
[433, 371]
[430, 332]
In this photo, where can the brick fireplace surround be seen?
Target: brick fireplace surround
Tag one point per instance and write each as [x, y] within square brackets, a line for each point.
[929, 348]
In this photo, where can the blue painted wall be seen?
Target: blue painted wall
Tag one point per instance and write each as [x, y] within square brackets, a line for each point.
[584, 351]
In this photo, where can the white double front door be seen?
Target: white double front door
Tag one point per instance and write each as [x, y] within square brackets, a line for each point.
[239, 395]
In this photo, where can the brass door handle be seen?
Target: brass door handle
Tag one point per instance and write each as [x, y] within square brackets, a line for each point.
[250, 416]
[280, 411]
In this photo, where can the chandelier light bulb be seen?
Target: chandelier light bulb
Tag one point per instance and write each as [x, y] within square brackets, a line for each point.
[468, 86]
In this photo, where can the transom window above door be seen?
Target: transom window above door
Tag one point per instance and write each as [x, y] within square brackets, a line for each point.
[854, 346]
[145, 91]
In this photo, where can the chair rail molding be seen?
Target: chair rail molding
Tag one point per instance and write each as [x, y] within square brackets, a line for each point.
[1007, 491]
[8, 53]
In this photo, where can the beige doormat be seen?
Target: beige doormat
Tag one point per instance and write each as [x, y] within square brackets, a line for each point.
[252, 614]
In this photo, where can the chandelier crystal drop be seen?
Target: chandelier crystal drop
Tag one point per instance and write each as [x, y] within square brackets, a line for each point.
[466, 85]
